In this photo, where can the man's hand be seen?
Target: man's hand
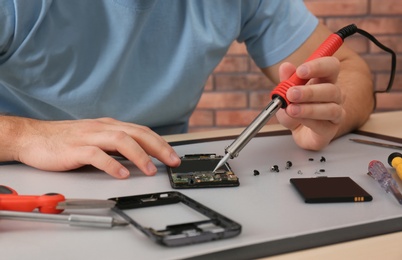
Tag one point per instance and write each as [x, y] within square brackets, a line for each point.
[67, 145]
[316, 109]
[337, 99]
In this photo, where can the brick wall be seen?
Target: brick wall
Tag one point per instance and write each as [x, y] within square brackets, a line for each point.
[237, 90]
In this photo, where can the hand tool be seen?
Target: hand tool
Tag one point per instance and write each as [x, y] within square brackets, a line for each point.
[362, 141]
[395, 160]
[53, 203]
[71, 219]
[278, 95]
[378, 171]
[48, 203]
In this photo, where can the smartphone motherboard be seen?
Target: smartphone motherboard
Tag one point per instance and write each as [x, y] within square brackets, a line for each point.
[196, 171]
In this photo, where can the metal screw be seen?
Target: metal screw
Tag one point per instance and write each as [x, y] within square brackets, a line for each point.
[288, 165]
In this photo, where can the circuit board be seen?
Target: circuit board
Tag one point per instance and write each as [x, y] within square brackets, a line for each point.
[196, 171]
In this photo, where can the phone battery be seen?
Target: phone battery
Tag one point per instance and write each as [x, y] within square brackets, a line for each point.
[330, 189]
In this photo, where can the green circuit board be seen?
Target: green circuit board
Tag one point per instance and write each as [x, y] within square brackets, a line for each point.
[196, 171]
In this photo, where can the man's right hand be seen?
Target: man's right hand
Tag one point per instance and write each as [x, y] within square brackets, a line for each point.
[67, 145]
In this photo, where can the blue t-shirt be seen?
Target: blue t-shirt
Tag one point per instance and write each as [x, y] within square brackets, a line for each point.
[140, 61]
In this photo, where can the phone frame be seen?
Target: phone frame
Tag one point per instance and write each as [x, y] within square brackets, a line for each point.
[215, 228]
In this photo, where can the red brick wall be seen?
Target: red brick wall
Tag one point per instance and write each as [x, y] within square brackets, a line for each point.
[237, 90]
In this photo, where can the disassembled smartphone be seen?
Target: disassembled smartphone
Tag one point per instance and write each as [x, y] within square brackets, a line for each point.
[216, 227]
[196, 171]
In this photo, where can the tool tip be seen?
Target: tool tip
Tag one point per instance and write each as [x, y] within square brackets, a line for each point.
[222, 162]
[117, 222]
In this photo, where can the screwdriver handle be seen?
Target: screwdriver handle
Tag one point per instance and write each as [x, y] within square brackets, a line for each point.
[327, 48]
[395, 160]
[45, 203]
[378, 171]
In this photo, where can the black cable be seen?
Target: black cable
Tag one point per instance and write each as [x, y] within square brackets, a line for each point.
[385, 48]
[352, 29]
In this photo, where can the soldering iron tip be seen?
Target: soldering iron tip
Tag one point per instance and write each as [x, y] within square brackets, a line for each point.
[222, 162]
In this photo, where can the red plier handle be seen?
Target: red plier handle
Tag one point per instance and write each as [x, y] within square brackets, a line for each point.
[47, 203]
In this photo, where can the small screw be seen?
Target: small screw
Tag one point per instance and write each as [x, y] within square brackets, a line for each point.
[288, 165]
[323, 159]
[275, 168]
[256, 173]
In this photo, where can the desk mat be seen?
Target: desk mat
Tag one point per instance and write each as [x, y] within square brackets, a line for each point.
[273, 216]
[319, 238]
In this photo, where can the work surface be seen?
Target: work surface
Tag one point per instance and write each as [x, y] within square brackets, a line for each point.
[273, 216]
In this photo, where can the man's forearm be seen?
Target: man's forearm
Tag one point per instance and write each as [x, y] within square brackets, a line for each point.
[10, 131]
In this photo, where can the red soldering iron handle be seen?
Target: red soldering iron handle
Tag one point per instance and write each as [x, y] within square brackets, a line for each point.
[327, 48]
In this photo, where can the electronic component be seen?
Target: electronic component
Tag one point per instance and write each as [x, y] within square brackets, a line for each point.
[215, 227]
[196, 171]
[330, 189]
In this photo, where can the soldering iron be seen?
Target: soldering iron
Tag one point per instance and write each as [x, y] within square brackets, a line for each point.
[278, 95]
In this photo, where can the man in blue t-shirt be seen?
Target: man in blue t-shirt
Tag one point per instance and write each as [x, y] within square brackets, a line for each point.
[81, 79]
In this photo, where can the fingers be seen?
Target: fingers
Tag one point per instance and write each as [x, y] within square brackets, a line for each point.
[121, 142]
[316, 109]
[139, 139]
[323, 74]
[286, 70]
[326, 69]
[326, 92]
[91, 155]
[136, 143]
[318, 102]
[67, 145]
[320, 111]
[321, 99]
[285, 120]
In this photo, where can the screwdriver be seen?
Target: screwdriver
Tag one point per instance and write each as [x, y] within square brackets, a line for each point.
[278, 95]
[378, 172]
[395, 160]
[71, 219]
[48, 203]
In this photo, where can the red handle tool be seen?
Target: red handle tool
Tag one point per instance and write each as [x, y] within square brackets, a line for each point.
[327, 48]
[47, 203]
[278, 95]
